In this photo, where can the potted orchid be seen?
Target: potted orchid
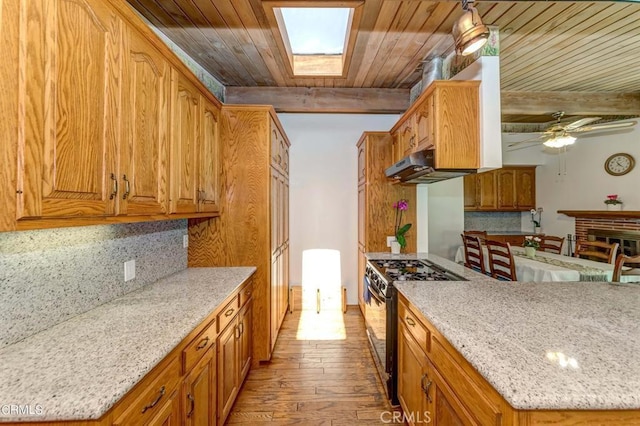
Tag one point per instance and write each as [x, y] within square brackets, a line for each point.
[400, 230]
[531, 244]
[613, 202]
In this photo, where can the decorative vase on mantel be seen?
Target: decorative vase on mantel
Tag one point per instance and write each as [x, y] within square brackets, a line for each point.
[614, 207]
[530, 252]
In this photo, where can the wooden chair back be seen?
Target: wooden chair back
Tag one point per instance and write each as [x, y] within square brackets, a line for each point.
[620, 261]
[473, 256]
[597, 250]
[480, 234]
[501, 262]
[551, 244]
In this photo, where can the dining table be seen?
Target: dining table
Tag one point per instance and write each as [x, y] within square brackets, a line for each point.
[545, 267]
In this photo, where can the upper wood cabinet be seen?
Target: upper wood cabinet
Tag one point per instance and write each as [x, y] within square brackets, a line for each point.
[109, 124]
[446, 118]
[510, 188]
[70, 109]
[144, 147]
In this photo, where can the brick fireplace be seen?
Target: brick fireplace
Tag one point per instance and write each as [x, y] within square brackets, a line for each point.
[625, 231]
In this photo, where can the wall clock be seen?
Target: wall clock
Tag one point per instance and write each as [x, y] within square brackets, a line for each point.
[619, 164]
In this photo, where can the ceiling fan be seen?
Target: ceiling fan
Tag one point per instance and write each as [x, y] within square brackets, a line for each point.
[561, 135]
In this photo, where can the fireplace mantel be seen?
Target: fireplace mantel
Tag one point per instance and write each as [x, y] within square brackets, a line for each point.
[603, 214]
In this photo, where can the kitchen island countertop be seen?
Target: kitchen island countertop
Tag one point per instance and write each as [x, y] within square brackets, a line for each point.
[556, 346]
[80, 368]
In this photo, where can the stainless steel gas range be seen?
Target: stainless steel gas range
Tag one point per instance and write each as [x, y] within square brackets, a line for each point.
[381, 309]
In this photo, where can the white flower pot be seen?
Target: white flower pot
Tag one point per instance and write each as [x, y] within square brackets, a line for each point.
[395, 247]
[530, 252]
[614, 207]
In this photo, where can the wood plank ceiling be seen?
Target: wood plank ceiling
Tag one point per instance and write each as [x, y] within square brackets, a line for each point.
[564, 46]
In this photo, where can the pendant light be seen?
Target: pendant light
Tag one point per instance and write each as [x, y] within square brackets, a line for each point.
[469, 33]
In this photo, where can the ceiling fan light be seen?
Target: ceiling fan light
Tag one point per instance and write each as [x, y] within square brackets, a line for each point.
[469, 33]
[560, 141]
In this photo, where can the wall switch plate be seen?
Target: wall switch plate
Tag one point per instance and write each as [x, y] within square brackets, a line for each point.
[185, 241]
[129, 270]
[390, 240]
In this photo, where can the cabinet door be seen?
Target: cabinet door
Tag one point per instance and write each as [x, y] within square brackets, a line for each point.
[414, 381]
[362, 164]
[362, 206]
[471, 192]
[245, 321]
[185, 138]
[526, 188]
[169, 414]
[447, 410]
[227, 370]
[199, 394]
[70, 101]
[209, 158]
[143, 149]
[275, 208]
[425, 126]
[487, 191]
[360, 278]
[506, 189]
[274, 299]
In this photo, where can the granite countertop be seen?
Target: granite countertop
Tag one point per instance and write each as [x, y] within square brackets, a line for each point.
[80, 368]
[556, 346]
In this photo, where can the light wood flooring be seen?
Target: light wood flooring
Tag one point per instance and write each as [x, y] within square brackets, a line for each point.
[321, 373]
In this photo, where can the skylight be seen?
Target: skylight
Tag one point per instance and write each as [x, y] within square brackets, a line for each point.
[316, 30]
[316, 39]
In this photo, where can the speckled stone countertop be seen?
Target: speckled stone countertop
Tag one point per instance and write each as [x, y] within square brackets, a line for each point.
[80, 368]
[561, 345]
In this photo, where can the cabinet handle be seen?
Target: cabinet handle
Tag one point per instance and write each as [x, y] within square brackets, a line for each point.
[241, 327]
[410, 321]
[154, 403]
[203, 343]
[426, 387]
[412, 141]
[114, 191]
[193, 404]
[229, 312]
[237, 332]
[127, 187]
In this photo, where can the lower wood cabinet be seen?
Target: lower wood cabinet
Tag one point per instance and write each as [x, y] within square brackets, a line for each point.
[168, 414]
[413, 376]
[199, 392]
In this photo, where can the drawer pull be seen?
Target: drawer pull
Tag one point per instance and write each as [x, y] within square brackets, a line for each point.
[410, 321]
[154, 403]
[229, 312]
[193, 404]
[203, 343]
[426, 387]
[247, 292]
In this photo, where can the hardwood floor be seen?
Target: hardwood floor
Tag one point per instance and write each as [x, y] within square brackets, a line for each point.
[321, 373]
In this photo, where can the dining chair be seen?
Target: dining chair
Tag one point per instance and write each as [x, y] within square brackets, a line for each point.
[551, 244]
[597, 250]
[473, 255]
[620, 261]
[501, 262]
[480, 234]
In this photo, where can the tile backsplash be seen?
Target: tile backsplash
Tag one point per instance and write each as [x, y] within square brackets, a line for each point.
[493, 221]
[48, 276]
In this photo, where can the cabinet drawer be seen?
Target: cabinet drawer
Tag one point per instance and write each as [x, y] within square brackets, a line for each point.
[142, 405]
[227, 314]
[245, 294]
[199, 346]
[415, 327]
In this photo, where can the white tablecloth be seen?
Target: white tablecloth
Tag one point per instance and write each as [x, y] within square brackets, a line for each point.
[539, 271]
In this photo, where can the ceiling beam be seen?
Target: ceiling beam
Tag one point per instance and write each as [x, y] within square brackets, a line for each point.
[322, 99]
[573, 103]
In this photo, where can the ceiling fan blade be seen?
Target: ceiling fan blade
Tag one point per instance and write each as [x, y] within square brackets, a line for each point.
[519, 148]
[605, 127]
[581, 122]
[532, 140]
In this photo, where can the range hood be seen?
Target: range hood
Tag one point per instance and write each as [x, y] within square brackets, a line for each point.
[419, 168]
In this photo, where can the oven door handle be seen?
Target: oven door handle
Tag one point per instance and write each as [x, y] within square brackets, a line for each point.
[375, 296]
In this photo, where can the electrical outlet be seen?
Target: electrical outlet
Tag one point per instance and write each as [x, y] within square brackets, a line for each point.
[390, 240]
[185, 241]
[129, 270]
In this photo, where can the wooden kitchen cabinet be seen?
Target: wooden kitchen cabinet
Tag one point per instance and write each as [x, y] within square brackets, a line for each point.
[414, 382]
[199, 392]
[95, 121]
[445, 117]
[376, 195]
[510, 188]
[253, 227]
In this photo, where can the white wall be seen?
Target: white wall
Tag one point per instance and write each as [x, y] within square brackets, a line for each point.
[323, 203]
[577, 180]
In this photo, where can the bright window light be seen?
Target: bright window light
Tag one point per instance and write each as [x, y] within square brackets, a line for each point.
[316, 30]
